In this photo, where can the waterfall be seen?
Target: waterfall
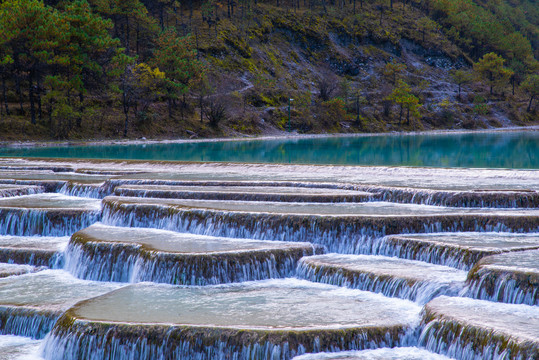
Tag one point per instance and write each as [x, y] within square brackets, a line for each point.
[27, 321]
[341, 234]
[450, 198]
[393, 286]
[122, 262]
[412, 249]
[94, 191]
[48, 186]
[35, 257]
[466, 342]
[456, 198]
[463, 328]
[505, 286]
[20, 190]
[27, 222]
[239, 196]
[98, 341]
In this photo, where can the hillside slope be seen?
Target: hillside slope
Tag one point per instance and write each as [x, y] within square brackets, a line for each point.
[357, 66]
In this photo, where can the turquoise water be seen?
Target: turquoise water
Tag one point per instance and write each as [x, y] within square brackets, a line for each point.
[518, 150]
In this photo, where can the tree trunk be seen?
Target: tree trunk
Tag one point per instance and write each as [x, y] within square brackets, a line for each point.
[201, 104]
[530, 104]
[19, 92]
[81, 109]
[50, 115]
[39, 112]
[127, 34]
[126, 112]
[31, 96]
[4, 94]
[400, 115]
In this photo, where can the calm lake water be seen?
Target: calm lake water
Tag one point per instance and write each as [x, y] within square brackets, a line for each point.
[518, 150]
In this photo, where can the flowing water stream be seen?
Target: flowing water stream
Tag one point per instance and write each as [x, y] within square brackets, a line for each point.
[155, 260]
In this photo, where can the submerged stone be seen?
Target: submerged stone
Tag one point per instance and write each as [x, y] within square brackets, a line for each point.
[400, 353]
[476, 329]
[47, 214]
[461, 250]
[511, 277]
[19, 348]
[19, 190]
[108, 253]
[341, 227]
[30, 304]
[33, 250]
[53, 176]
[246, 193]
[13, 269]
[407, 279]
[261, 320]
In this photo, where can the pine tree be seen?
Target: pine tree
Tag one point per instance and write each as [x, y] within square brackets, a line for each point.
[490, 68]
[177, 58]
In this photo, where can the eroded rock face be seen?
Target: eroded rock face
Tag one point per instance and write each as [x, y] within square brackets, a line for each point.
[407, 279]
[468, 328]
[257, 319]
[509, 277]
[47, 214]
[343, 228]
[461, 250]
[107, 253]
[245, 193]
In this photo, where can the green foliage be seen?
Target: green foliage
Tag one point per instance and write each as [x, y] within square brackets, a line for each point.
[488, 26]
[461, 77]
[480, 106]
[402, 96]
[531, 87]
[333, 111]
[177, 58]
[490, 68]
[427, 25]
[393, 71]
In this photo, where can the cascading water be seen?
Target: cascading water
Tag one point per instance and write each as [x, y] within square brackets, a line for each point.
[294, 317]
[275, 319]
[475, 329]
[28, 222]
[352, 234]
[92, 191]
[33, 250]
[393, 277]
[107, 253]
[509, 277]
[461, 250]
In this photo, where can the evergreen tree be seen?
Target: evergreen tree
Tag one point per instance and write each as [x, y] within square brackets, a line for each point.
[490, 68]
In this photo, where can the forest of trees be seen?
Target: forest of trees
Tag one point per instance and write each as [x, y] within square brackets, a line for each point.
[62, 61]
